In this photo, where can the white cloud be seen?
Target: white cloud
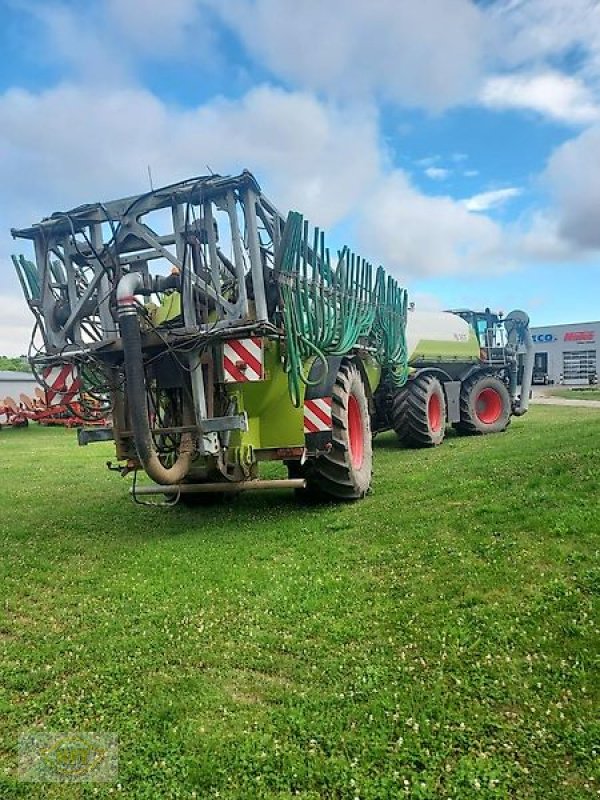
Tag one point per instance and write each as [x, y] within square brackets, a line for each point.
[426, 301]
[492, 199]
[539, 240]
[105, 43]
[418, 236]
[319, 149]
[573, 176]
[75, 41]
[471, 173]
[155, 26]
[529, 32]
[550, 93]
[76, 145]
[437, 173]
[425, 53]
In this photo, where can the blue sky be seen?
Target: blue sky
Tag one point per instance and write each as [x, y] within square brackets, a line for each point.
[457, 143]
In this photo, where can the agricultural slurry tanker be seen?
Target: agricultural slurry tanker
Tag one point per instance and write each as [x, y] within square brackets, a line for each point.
[220, 333]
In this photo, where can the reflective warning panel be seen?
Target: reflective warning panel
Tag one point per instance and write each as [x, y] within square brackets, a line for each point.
[317, 415]
[243, 360]
[62, 384]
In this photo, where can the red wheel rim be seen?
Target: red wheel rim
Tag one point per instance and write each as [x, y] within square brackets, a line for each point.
[356, 438]
[434, 412]
[488, 406]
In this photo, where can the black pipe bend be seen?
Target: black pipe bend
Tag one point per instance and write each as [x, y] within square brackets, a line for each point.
[136, 394]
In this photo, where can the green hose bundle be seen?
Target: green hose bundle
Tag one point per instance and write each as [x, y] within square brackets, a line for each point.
[389, 329]
[29, 278]
[329, 311]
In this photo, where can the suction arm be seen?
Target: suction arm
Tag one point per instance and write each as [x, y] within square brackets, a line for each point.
[127, 287]
[523, 405]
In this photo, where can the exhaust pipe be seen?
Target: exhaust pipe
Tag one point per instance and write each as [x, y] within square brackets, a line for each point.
[127, 287]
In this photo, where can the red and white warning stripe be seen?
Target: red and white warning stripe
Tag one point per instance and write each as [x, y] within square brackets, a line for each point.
[243, 360]
[317, 415]
[62, 382]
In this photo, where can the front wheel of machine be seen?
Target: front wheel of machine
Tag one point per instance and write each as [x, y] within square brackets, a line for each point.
[344, 473]
[484, 406]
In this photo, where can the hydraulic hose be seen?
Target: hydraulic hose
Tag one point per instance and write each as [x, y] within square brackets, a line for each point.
[327, 311]
[136, 391]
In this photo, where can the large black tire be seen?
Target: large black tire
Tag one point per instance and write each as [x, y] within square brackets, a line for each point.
[485, 406]
[344, 473]
[419, 412]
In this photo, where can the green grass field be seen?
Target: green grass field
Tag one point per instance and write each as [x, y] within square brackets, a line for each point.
[576, 394]
[438, 640]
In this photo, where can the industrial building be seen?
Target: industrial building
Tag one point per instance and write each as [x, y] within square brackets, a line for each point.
[567, 354]
[13, 384]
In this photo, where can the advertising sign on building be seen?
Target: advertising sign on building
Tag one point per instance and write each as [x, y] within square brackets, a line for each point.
[580, 336]
[567, 354]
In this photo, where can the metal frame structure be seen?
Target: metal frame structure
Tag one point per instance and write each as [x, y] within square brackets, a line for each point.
[81, 254]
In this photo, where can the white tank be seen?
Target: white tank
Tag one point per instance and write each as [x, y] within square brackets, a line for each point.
[437, 334]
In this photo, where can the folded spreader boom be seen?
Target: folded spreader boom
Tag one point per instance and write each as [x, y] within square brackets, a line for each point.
[220, 333]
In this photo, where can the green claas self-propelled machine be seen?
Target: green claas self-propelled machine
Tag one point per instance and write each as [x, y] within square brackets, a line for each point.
[470, 369]
[219, 333]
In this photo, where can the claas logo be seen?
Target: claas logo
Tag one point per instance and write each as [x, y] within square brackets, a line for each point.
[579, 336]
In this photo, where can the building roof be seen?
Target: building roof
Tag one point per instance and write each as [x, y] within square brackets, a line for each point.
[7, 375]
[565, 325]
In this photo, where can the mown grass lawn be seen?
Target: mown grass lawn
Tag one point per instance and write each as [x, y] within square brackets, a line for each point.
[438, 640]
[576, 394]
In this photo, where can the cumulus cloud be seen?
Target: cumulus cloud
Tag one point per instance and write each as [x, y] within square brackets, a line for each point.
[425, 53]
[492, 199]
[106, 43]
[417, 235]
[573, 176]
[154, 26]
[76, 145]
[316, 146]
[540, 240]
[539, 31]
[71, 144]
[327, 162]
[552, 94]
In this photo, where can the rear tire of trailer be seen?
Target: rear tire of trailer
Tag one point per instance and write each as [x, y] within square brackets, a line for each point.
[419, 412]
[485, 406]
[344, 473]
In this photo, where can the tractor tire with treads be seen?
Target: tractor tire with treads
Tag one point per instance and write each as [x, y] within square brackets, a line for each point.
[344, 473]
[484, 406]
[419, 412]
